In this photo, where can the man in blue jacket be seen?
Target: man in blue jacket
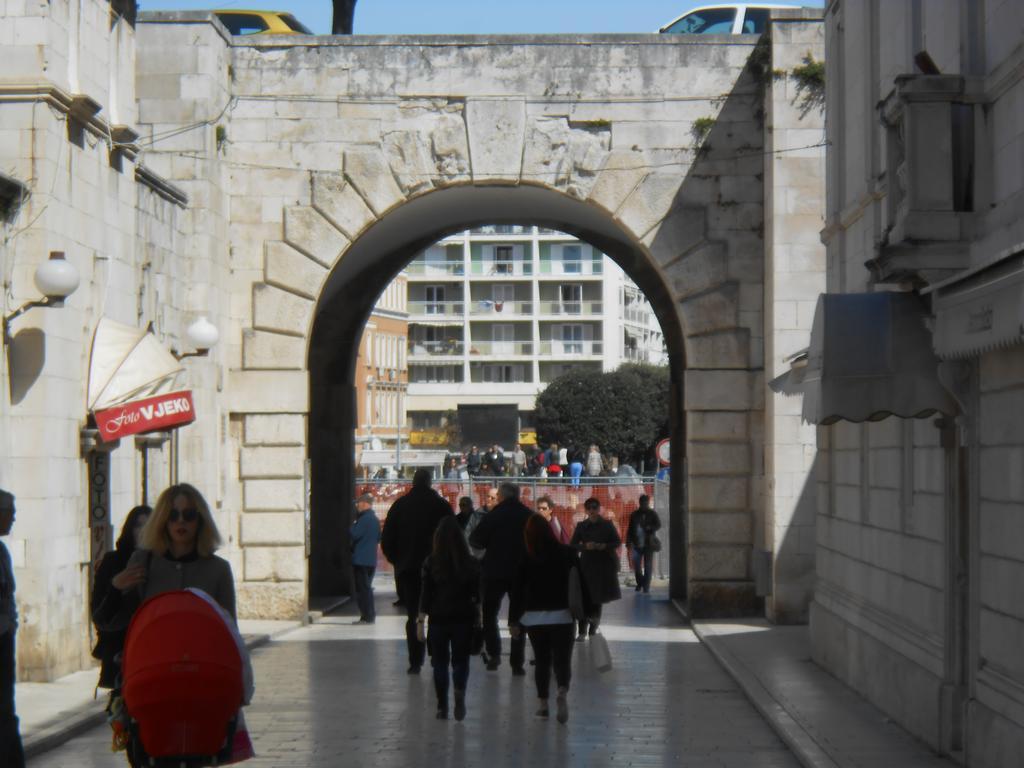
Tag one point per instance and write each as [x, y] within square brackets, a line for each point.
[364, 534]
[500, 535]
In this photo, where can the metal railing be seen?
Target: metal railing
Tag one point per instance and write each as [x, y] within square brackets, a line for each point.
[571, 267]
[435, 268]
[557, 347]
[491, 307]
[571, 307]
[511, 348]
[435, 308]
[436, 348]
[514, 268]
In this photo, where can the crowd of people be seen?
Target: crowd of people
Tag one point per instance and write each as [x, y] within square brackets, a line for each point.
[532, 461]
[453, 572]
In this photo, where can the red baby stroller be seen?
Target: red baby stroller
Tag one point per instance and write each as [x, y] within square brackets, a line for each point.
[182, 682]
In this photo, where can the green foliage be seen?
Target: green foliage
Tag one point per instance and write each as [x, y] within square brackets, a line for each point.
[624, 411]
[810, 84]
[221, 135]
[452, 428]
[699, 131]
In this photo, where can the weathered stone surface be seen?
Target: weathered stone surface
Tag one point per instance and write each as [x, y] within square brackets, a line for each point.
[497, 130]
[718, 527]
[280, 563]
[275, 495]
[564, 156]
[677, 236]
[273, 528]
[718, 493]
[623, 170]
[715, 310]
[412, 162]
[649, 203]
[724, 349]
[717, 390]
[704, 267]
[271, 461]
[267, 600]
[311, 233]
[340, 203]
[369, 172]
[712, 599]
[705, 458]
[450, 146]
[274, 429]
[719, 561]
[272, 351]
[281, 311]
[720, 426]
[292, 270]
[268, 391]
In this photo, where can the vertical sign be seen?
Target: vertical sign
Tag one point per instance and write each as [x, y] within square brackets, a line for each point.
[100, 534]
[306, 504]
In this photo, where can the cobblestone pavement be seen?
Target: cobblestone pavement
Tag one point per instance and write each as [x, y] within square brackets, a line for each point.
[334, 694]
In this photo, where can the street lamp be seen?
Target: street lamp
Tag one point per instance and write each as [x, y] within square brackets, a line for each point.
[56, 278]
[201, 334]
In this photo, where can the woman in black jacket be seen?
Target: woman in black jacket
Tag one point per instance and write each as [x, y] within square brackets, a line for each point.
[596, 538]
[540, 604]
[111, 630]
[451, 599]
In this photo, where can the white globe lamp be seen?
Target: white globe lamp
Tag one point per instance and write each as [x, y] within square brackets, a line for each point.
[56, 278]
[202, 334]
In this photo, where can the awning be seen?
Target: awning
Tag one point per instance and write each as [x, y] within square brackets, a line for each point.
[980, 310]
[871, 357]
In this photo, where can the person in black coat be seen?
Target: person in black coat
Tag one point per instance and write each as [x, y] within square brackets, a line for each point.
[111, 631]
[540, 604]
[406, 540]
[643, 524]
[500, 535]
[596, 538]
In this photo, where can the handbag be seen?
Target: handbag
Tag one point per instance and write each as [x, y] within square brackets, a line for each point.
[655, 543]
[576, 607]
[601, 653]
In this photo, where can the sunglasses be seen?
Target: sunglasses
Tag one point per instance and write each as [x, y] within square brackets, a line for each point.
[188, 515]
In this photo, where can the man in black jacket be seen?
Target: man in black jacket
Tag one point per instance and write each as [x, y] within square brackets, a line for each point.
[406, 540]
[500, 535]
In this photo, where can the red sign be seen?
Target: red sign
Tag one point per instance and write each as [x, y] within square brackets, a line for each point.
[664, 452]
[171, 410]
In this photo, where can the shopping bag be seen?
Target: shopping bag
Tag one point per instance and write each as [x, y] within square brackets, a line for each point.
[600, 653]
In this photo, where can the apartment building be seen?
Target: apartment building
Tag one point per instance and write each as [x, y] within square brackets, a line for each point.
[498, 312]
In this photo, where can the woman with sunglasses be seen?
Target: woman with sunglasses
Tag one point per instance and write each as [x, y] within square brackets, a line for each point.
[177, 551]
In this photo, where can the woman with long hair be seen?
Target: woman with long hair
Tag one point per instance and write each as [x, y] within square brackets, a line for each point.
[450, 598]
[540, 604]
[111, 627]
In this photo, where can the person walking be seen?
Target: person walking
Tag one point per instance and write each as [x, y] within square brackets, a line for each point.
[450, 599]
[12, 755]
[110, 633]
[465, 513]
[518, 461]
[364, 536]
[500, 535]
[546, 509]
[406, 540]
[473, 461]
[595, 464]
[540, 604]
[643, 523]
[575, 465]
[596, 539]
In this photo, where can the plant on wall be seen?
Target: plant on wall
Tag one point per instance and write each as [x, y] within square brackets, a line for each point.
[810, 84]
[699, 131]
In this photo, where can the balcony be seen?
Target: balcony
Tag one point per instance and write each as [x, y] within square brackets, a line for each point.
[571, 307]
[435, 309]
[503, 229]
[573, 267]
[571, 348]
[435, 269]
[516, 268]
[501, 348]
[487, 307]
[430, 350]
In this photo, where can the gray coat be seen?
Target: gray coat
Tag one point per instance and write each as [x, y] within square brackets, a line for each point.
[211, 574]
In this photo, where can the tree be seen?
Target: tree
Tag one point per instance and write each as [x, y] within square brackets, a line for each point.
[344, 13]
[624, 411]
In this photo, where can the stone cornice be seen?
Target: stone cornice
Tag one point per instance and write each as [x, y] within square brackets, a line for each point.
[161, 186]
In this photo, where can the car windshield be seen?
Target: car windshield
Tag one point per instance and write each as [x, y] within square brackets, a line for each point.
[715, 21]
[295, 24]
[242, 23]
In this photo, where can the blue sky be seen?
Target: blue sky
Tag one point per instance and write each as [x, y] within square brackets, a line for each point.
[404, 17]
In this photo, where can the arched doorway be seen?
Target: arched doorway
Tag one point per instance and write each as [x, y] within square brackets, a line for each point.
[366, 268]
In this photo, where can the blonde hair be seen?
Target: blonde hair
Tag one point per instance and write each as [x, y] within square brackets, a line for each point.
[154, 536]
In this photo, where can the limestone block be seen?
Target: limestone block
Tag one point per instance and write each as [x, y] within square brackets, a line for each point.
[720, 426]
[715, 310]
[272, 528]
[720, 527]
[622, 171]
[450, 146]
[281, 311]
[268, 391]
[715, 598]
[408, 153]
[369, 172]
[565, 155]
[702, 267]
[262, 495]
[275, 429]
[307, 230]
[649, 203]
[263, 461]
[497, 131]
[718, 493]
[340, 203]
[271, 350]
[274, 563]
[292, 270]
[718, 561]
[678, 235]
[705, 458]
[725, 349]
[267, 600]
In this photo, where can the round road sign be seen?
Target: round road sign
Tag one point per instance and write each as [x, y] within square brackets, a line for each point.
[664, 451]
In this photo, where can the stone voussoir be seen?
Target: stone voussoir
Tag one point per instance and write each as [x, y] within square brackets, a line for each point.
[305, 228]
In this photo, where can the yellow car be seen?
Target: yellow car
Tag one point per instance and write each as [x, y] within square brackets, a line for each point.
[261, 23]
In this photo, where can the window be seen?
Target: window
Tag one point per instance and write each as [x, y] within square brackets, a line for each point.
[570, 297]
[572, 259]
[503, 337]
[756, 20]
[572, 339]
[503, 259]
[243, 23]
[435, 374]
[503, 374]
[435, 299]
[715, 21]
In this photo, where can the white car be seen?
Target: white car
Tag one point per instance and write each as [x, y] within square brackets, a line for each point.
[732, 19]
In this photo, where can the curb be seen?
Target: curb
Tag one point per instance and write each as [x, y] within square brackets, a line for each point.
[77, 721]
[801, 743]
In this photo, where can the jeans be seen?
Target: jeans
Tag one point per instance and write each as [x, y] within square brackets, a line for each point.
[11, 754]
[449, 643]
[409, 585]
[552, 646]
[575, 470]
[363, 577]
[643, 564]
[494, 591]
